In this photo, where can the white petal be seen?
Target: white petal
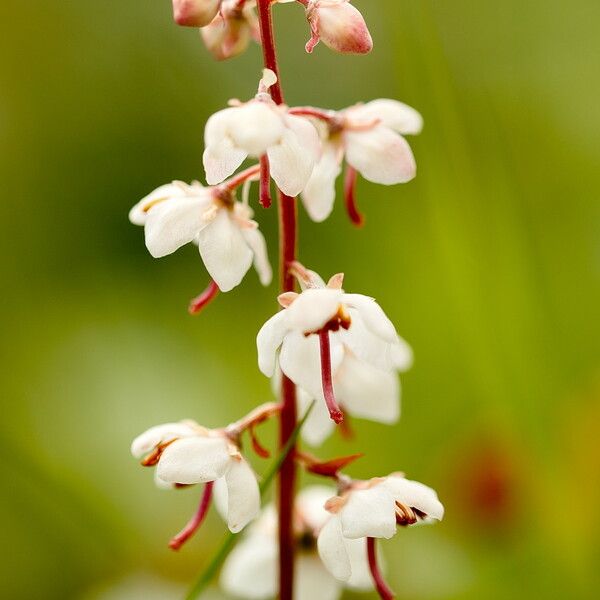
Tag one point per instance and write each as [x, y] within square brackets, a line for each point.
[174, 223]
[255, 126]
[369, 513]
[243, 495]
[139, 213]
[224, 251]
[161, 484]
[415, 495]
[319, 194]
[268, 341]
[300, 360]
[313, 581]
[361, 578]
[366, 392]
[332, 549]
[221, 160]
[194, 460]
[292, 160]
[159, 434]
[256, 241]
[310, 504]
[250, 570]
[318, 426]
[380, 155]
[313, 309]
[401, 355]
[393, 114]
[373, 316]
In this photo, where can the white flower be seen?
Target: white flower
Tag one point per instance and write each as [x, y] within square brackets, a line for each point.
[373, 509]
[195, 13]
[339, 25]
[230, 32]
[365, 351]
[186, 453]
[258, 128]
[250, 571]
[228, 239]
[370, 137]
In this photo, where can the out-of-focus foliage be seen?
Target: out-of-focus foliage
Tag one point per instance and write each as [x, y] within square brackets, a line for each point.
[489, 263]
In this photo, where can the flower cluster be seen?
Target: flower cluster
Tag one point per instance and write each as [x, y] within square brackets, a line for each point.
[330, 354]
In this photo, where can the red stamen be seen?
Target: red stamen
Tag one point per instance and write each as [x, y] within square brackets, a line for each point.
[265, 182]
[350, 197]
[194, 523]
[385, 593]
[334, 410]
[199, 302]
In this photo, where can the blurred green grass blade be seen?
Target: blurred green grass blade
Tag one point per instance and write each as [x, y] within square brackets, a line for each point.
[228, 543]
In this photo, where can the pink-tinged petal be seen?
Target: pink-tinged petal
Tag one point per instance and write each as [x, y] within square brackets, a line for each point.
[369, 513]
[340, 26]
[393, 114]
[373, 316]
[292, 160]
[380, 155]
[415, 495]
[269, 339]
[174, 223]
[318, 195]
[243, 495]
[195, 13]
[256, 241]
[250, 570]
[313, 581]
[318, 426]
[332, 550]
[226, 38]
[224, 251]
[160, 434]
[313, 309]
[194, 460]
[366, 392]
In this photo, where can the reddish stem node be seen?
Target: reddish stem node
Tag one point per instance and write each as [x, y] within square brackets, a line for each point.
[194, 523]
[334, 410]
[265, 182]
[350, 197]
[207, 296]
[384, 591]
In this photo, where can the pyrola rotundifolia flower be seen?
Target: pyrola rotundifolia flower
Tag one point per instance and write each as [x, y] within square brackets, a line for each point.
[326, 339]
[373, 509]
[228, 239]
[370, 137]
[261, 128]
[195, 13]
[186, 453]
[230, 32]
[250, 571]
[339, 25]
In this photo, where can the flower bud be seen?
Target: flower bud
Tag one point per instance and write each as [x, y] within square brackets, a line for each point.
[339, 25]
[195, 13]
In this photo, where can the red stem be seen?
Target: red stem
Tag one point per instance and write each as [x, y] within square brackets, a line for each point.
[334, 410]
[265, 182]
[385, 593]
[242, 177]
[287, 255]
[350, 197]
[199, 302]
[194, 523]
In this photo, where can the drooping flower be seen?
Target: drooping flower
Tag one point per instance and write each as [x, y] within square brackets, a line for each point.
[228, 239]
[260, 128]
[339, 25]
[370, 137]
[373, 509]
[195, 13]
[230, 32]
[339, 348]
[250, 571]
[185, 453]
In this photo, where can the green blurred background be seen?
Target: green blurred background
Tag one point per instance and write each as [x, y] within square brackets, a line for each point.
[488, 263]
